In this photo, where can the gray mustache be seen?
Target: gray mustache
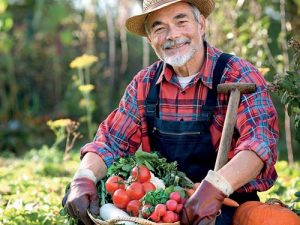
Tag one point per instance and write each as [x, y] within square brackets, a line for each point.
[178, 41]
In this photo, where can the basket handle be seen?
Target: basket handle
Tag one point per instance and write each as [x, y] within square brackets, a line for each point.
[136, 220]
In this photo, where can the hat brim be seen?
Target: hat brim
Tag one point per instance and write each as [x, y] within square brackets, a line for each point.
[135, 24]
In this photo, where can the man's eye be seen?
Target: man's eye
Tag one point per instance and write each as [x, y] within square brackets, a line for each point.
[182, 21]
[158, 29]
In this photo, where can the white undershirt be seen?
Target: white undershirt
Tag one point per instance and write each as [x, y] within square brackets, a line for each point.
[184, 81]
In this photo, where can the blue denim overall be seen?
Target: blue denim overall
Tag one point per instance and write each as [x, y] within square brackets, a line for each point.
[189, 142]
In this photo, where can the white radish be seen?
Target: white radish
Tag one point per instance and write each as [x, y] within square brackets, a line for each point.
[110, 211]
[158, 183]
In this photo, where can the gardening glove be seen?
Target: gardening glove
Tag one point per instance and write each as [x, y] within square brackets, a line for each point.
[204, 205]
[81, 196]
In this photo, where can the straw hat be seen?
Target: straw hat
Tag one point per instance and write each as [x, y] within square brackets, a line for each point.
[135, 24]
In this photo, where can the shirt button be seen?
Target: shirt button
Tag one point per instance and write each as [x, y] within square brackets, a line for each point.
[183, 92]
[181, 119]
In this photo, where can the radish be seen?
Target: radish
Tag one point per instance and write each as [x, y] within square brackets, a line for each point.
[158, 183]
[110, 211]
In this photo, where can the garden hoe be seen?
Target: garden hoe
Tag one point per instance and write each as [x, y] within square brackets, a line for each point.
[235, 89]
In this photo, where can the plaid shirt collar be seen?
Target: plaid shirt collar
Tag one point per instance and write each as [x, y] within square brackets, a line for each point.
[205, 73]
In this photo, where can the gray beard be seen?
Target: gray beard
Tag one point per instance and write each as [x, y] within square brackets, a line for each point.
[179, 60]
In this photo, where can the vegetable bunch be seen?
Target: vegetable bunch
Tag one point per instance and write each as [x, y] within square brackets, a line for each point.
[146, 185]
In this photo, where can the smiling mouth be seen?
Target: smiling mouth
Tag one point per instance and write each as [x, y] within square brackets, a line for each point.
[176, 46]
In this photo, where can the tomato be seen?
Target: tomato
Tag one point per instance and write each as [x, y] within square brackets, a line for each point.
[169, 217]
[140, 173]
[171, 205]
[154, 217]
[113, 183]
[135, 191]
[175, 196]
[179, 208]
[160, 209]
[120, 198]
[148, 186]
[133, 207]
[146, 211]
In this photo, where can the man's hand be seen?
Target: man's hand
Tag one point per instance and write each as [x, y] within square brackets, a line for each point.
[81, 196]
[204, 205]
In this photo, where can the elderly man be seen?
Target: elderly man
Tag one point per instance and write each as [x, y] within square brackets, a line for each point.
[173, 107]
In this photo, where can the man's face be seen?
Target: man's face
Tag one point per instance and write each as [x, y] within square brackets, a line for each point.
[175, 34]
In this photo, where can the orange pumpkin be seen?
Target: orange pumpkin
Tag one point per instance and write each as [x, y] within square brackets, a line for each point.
[258, 213]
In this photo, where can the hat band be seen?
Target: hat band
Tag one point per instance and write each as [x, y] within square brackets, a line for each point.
[156, 4]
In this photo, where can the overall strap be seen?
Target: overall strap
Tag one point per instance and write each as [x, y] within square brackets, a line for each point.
[153, 98]
[211, 99]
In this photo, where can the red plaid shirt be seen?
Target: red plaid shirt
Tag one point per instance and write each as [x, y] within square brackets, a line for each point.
[125, 129]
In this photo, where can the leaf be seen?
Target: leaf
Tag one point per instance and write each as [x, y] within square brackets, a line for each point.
[126, 167]
[63, 212]
[148, 165]
[284, 98]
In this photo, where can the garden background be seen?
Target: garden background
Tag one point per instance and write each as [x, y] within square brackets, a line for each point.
[64, 65]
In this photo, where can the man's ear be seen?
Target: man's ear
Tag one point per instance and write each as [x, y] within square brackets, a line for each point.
[202, 23]
[149, 40]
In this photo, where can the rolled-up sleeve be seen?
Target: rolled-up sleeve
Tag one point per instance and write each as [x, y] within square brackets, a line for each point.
[257, 124]
[119, 134]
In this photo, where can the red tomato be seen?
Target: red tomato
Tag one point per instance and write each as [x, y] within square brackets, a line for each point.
[133, 207]
[141, 174]
[113, 183]
[120, 198]
[175, 196]
[146, 211]
[135, 191]
[169, 217]
[160, 209]
[148, 186]
[171, 205]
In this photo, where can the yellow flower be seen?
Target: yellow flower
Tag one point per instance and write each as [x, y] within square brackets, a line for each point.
[83, 103]
[3, 6]
[59, 123]
[86, 88]
[263, 70]
[83, 61]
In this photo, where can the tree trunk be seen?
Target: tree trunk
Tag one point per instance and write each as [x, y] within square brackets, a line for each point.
[122, 15]
[284, 46]
[88, 26]
[112, 52]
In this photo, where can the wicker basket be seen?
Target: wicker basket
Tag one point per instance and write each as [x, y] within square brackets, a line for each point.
[128, 219]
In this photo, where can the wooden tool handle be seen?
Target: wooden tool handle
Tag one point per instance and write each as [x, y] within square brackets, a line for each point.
[228, 128]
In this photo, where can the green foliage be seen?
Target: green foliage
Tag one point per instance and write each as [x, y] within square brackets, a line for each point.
[287, 186]
[167, 171]
[31, 190]
[288, 87]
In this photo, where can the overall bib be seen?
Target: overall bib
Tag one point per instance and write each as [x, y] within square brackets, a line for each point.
[188, 142]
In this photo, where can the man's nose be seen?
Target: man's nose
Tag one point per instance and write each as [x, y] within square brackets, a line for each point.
[173, 32]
